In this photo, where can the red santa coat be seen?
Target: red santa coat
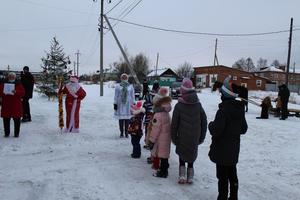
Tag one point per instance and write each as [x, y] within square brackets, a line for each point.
[12, 104]
[75, 93]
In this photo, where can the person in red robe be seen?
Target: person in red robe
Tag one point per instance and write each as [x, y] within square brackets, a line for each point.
[75, 93]
[12, 93]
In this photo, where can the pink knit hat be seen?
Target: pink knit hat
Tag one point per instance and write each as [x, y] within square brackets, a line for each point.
[162, 92]
[187, 85]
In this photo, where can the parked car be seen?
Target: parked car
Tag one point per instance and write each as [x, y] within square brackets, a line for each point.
[175, 89]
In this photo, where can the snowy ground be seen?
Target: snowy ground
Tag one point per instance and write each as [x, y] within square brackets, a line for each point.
[95, 164]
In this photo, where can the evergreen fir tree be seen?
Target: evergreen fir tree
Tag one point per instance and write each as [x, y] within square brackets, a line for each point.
[54, 65]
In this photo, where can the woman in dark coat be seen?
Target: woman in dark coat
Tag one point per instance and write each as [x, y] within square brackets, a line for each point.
[11, 104]
[228, 125]
[188, 129]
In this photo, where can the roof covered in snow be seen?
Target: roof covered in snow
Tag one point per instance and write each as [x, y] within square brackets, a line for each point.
[272, 69]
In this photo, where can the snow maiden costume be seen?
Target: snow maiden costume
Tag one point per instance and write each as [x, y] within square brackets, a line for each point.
[123, 99]
[75, 93]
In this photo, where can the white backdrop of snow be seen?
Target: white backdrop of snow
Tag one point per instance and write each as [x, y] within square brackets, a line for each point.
[95, 164]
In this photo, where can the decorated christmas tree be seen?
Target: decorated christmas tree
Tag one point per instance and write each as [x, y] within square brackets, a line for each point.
[55, 67]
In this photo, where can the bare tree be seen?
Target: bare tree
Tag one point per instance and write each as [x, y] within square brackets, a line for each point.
[275, 63]
[140, 64]
[262, 63]
[185, 70]
[240, 64]
[244, 64]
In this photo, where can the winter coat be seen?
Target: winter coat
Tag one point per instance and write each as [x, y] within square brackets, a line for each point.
[123, 109]
[136, 123]
[148, 105]
[27, 81]
[284, 94]
[160, 133]
[189, 126]
[12, 104]
[228, 125]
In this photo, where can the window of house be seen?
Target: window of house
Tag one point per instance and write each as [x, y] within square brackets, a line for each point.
[234, 78]
[258, 83]
[244, 85]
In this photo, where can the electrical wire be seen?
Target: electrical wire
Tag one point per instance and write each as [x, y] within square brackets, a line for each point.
[55, 7]
[204, 33]
[113, 7]
[44, 28]
[122, 15]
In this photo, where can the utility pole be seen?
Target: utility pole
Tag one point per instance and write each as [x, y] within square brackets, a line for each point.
[157, 57]
[122, 51]
[8, 68]
[77, 58]
[216, 57]
[74, 70]
[101, 45]
[289, 55]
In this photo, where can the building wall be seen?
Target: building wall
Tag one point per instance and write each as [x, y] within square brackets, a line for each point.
[206, 74]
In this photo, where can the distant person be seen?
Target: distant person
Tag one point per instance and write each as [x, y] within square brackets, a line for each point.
[188, 130]
[145, 88]
[27, 81]
[11, 92]
[284, 94]
[155, 87]
[124, 98]
[75, 94]
[266, 105]
[228, 125]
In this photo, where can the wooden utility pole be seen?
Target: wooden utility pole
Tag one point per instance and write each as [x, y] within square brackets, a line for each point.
[122, 51]
[101, 49]
[74, 72]
[289, 55]
[157, 57]
[77, 63]
[216, 57]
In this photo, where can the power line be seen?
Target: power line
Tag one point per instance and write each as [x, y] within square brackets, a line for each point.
[203, 33]
[113, 7]
[44, 28]
[55, 7]
[122, 15]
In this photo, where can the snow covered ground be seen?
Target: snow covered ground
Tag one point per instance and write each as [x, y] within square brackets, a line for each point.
[95, 164]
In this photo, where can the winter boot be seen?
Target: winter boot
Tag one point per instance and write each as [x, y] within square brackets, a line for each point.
[190, 175]
[182, 172]
[161, 173]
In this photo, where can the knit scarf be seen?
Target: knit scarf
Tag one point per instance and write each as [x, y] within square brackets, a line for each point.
[124, 92]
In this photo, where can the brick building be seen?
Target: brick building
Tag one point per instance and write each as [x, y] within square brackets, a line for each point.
[278, 76]
[206, 76]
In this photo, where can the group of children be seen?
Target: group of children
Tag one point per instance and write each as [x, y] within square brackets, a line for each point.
[186, 129]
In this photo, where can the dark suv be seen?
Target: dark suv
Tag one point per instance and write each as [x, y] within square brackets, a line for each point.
[175, 89]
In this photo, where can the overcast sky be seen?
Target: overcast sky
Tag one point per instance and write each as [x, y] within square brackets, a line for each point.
[27, 26]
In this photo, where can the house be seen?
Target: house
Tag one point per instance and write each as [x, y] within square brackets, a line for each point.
[207, 75]
[278, 76]
[165, 77]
